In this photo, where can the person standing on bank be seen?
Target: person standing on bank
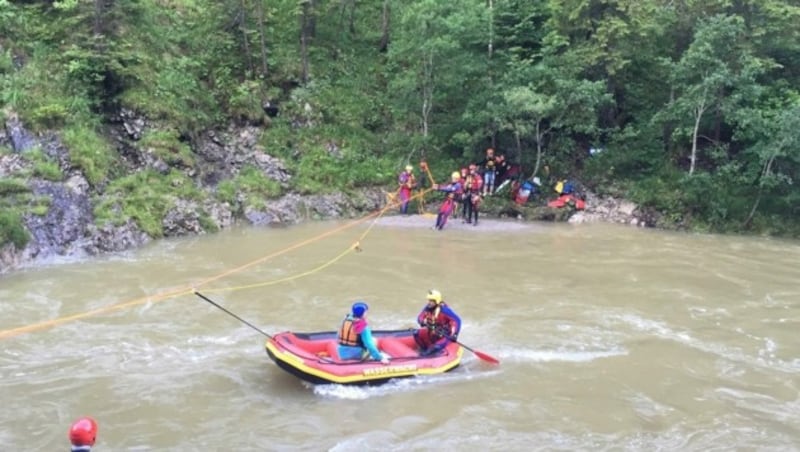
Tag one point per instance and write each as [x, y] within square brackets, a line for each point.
[407, 183]
[488, 164]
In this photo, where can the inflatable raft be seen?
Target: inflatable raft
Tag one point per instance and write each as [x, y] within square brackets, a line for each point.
[313, 357]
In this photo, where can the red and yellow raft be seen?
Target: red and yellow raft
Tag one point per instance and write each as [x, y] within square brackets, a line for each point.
[313, 357]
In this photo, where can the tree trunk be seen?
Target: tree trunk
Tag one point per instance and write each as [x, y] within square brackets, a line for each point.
[766, 172]
[262, 38]
[539, 138]
[245, 39]
[698, 116]
[312, 18]
[491, 28]
[427, 92]
[99, 9]
[384, 45]
[306, 32]
[668, 127]
[347, 11]
[352, 19]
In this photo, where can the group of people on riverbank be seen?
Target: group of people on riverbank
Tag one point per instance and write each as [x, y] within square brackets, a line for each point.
[472, 183]
[467, 187]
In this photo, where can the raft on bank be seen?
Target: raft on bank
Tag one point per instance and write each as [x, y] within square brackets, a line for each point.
[313, 357]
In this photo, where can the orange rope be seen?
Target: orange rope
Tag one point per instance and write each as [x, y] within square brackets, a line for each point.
[189, 289]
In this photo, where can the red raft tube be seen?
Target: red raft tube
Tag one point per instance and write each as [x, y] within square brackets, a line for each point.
[313, 357]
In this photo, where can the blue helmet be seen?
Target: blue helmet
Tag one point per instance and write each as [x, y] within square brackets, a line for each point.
[359, 308]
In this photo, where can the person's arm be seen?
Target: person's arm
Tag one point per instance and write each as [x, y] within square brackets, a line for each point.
[421, 318]
[451, 188]
[370, 344]
[455, 322]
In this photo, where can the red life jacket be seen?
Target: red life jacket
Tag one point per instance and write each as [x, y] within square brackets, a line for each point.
[437, 320]
[474, 183]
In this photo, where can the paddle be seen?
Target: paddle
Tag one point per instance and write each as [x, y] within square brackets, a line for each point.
[232, 314]
[481, 355]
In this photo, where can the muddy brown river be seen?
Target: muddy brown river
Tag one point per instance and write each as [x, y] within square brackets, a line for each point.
[609, 337]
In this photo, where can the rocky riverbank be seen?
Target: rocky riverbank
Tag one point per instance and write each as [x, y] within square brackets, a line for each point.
[64, 223]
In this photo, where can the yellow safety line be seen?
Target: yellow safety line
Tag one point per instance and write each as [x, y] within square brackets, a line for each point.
[55, 322]
[288, 278]
[188, 289]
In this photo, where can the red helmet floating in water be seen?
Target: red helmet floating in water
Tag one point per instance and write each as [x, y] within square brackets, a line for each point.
[83, 432]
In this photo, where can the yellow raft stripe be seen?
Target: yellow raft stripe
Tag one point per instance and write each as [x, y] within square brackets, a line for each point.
[400, 370]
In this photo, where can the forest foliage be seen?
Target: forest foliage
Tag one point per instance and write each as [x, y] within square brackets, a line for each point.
[694, 106]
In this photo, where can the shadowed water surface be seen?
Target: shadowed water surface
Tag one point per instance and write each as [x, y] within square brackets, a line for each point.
[610, 338]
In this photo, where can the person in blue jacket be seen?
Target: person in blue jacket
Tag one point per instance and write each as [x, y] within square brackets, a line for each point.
[439, 325]
[355, 336]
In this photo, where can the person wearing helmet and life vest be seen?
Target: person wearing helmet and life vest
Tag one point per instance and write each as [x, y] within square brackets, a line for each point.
[355, 336]
[407, 183]
[472, 195]
[454, 191]
[439, 325]
[83, 434]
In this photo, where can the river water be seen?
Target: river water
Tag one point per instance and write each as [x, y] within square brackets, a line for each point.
[609, 337]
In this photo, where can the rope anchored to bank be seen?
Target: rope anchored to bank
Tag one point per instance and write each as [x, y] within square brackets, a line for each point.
[191, 288]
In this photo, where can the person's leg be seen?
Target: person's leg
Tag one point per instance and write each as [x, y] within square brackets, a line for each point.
[422, 338]
[404, 197]
[445, 216]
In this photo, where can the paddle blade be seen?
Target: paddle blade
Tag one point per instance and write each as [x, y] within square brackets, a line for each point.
[485, 357]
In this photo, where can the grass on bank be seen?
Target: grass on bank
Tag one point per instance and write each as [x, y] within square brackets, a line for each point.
[13, 193]
[167, 145]
[250, 188]
[144, 197]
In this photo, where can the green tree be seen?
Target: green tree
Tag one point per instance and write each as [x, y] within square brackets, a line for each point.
[552, 100]
[433, 59]
[717, 62]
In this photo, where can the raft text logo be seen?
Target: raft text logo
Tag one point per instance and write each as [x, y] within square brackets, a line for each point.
[390, 370]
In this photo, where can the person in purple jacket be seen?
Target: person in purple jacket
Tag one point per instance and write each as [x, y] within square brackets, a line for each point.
[454, 191]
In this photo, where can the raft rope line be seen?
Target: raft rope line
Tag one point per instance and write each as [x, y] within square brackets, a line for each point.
[190, 289]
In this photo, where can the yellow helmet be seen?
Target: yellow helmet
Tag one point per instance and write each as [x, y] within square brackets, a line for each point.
[409, 168]
[435, 296]
[456, 175]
